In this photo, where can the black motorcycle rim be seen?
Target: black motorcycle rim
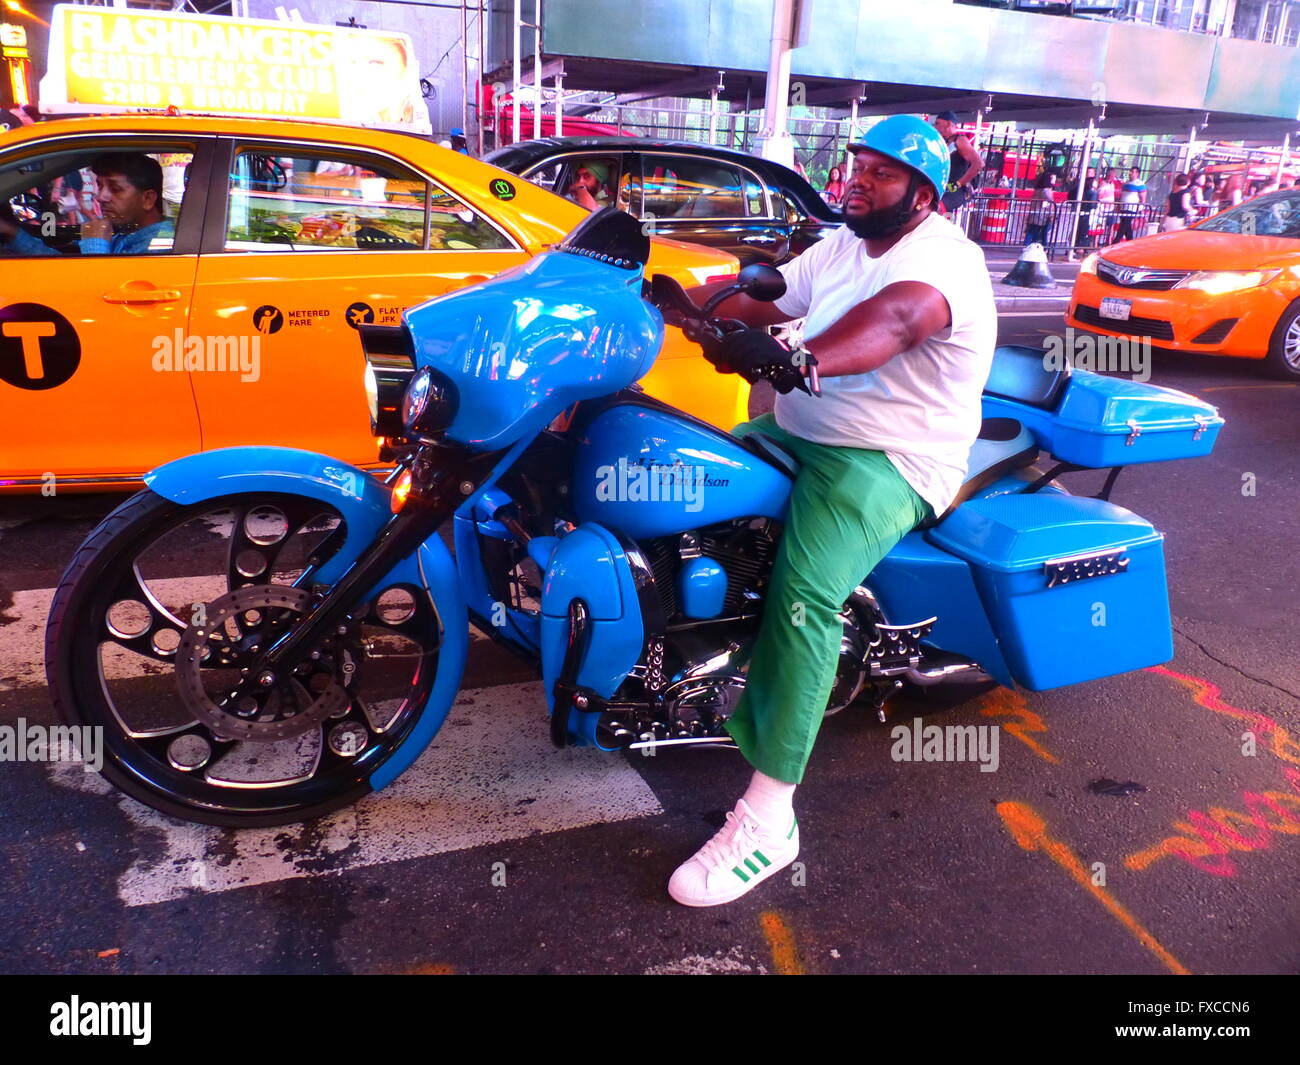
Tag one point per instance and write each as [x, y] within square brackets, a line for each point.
[148, 755]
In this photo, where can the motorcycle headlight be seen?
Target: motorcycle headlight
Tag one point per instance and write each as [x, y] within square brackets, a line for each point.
[389, 365]
[429, 405]
[1219, 282]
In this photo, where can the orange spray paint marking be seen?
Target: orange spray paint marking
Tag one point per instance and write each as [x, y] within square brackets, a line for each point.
[1207, 694]
[431, 969]
[1012, 704]
[1029, 830]
[780, 940]
[1206, 840]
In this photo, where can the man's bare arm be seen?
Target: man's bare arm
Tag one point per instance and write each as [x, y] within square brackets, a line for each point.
[896, 318]
[974, 162]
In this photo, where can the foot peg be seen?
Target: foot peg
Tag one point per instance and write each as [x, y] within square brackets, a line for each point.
[895, 649]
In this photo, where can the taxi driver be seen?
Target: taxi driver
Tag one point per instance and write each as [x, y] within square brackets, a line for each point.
[130, 195]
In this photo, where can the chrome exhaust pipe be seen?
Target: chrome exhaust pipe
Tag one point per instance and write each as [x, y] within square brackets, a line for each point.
[965, 672]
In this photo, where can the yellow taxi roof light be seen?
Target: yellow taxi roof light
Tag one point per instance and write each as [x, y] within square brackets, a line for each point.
[104, 60]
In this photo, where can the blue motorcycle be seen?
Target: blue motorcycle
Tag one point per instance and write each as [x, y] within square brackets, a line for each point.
[266, 634]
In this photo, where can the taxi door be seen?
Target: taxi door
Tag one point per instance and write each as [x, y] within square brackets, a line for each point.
[93, 382]
[309, 242]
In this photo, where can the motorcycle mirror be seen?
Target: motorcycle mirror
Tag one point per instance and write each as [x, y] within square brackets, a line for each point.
[762, 282]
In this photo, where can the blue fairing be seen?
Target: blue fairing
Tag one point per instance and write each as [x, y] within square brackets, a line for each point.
[473, 520]
[362, 502]
[521, 348]
[590, 564]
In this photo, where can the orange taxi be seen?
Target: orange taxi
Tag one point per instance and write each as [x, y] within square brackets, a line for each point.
[234, 321]
[1229, 285]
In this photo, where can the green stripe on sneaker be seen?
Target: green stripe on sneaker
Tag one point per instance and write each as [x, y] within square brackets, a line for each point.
[762, 858]
[743, 877]
[790, 834]
[751, 866]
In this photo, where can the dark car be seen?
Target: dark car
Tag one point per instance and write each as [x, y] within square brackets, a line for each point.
[758, 210]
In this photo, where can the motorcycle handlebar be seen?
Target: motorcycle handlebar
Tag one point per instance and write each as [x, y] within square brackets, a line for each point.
[697, 325]
[667, 294]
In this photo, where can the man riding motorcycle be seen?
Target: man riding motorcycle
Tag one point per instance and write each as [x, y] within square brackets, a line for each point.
[901, 327]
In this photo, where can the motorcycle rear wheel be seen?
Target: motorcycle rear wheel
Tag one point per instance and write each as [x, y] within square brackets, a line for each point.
[143, 647]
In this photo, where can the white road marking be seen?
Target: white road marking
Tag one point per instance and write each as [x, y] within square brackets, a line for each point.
[490, 775]
[702, 965]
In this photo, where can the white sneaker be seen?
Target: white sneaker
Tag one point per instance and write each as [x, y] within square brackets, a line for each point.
[743, 854]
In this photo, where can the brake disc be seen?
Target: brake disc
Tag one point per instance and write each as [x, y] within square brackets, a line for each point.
[235, 630]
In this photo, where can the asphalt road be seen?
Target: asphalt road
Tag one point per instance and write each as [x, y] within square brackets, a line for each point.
[1124, 831]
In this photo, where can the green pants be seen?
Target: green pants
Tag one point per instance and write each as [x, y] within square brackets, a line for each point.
[849, 507]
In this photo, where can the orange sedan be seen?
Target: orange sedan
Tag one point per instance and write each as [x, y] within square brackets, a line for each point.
[1228, 286]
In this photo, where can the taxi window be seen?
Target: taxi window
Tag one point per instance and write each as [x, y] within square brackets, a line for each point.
[683, 187]
[1268, 216]
[590, 181]
[94, 201]
[547, 175]
[343, 202]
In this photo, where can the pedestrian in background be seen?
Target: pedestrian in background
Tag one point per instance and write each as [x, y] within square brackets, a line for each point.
[964, 162]
[1231, 193]
[1202, 197]
[1105, 214]
[1133, 194]
[1179, 205]
[834, 190]
[1087, 207]
[1042, 210]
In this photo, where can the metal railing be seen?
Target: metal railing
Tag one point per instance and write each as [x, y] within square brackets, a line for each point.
[992, 219]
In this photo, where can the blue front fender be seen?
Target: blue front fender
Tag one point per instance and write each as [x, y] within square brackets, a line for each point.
[362, 502]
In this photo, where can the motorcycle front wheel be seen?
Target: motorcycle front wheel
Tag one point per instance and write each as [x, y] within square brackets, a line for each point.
[155, 626]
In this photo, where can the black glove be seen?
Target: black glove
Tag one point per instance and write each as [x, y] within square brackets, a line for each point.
[754, 354]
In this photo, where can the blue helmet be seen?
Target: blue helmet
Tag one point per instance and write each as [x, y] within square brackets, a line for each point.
[914, 142]
[456, 131]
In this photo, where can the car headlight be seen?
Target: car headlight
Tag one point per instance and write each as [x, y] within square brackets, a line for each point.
[429, 405]
[1217, 282]
[1089, 264]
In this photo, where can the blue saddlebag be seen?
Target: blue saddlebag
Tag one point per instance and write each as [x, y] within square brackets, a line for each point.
[1074, 587]
[1111, 421]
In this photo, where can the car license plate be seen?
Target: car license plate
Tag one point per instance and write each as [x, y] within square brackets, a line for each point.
[1115, 308]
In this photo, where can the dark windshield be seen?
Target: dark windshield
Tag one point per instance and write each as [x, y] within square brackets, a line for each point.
[1275, 215]
[612, 235]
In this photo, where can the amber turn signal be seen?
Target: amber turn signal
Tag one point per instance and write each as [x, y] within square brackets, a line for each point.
[401, 491]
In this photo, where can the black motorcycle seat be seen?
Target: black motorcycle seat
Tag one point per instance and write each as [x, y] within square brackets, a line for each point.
[1003, 446]
[1018, 373]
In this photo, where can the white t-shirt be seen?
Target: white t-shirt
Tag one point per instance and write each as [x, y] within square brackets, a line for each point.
[922, 408]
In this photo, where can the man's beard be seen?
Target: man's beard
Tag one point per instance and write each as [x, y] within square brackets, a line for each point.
[883, 221]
